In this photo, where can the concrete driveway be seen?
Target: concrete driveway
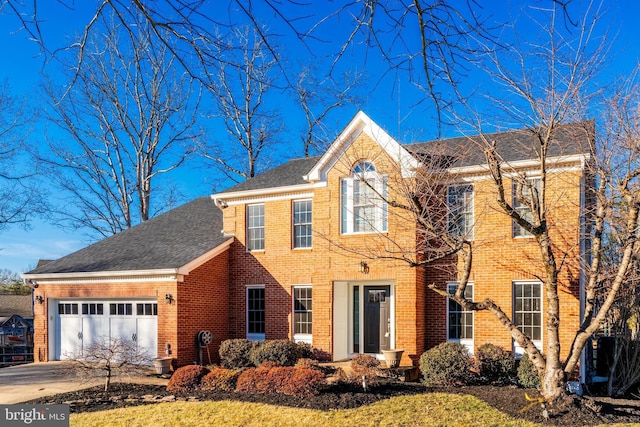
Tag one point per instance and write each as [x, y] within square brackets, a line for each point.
[25, 382]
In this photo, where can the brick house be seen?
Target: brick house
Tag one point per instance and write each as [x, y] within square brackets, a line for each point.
[294, 253]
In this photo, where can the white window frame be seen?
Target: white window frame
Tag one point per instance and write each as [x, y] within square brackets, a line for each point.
[255, 336]
[463, 208]
[305, 225]
[519, 351]
[524, 210]
[469, 292]
[251, 242]
[301, 337]
[363, 171]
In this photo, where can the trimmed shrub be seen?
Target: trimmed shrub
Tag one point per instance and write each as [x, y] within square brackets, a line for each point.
[304, 382]
[307, 364]
[305, 351]
[253, 380]
[528, 375]
[365, 365]
[300, 382]
[283, 352]
[448, 364]
[236, 353]
[220, 379]
[495, 364]
[186, 378]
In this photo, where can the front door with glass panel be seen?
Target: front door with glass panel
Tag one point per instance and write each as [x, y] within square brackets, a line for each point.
[377, 319]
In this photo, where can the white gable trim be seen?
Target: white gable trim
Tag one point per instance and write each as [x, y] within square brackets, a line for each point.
[359, 124]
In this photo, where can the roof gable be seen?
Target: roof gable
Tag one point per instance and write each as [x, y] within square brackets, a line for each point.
[361, 123]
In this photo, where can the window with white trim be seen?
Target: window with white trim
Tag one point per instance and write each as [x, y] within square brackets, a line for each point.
[302, 314]
[255, 227]
[302, 216]
[532, 186]
[255, 313]
[363, 205]
[459, 320]
[460, 210]
[527, 311]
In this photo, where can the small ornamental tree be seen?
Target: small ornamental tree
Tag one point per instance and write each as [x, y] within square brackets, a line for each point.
[108, 357]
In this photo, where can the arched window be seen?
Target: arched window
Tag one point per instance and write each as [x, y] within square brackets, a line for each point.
[363, 200]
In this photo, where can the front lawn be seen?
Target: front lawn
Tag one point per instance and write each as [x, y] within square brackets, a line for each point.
[432, 409]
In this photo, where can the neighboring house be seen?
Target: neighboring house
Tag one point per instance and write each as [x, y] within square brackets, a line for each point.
[16, 329]
[11, 304]
[281, 256]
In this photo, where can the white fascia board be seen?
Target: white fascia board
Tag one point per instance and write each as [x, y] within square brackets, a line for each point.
[362, 123]
[553, 162]
[152, 275]
[221, 198]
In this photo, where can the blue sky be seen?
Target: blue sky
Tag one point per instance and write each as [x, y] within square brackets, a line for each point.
[394, 110]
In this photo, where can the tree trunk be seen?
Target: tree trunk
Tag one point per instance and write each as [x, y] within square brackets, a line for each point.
[554, 384]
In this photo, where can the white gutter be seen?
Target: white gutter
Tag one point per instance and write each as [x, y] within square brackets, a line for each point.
[160, 274]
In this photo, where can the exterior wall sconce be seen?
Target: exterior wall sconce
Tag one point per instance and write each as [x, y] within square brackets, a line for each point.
[39, 299]
[364, 267]
[168, 299]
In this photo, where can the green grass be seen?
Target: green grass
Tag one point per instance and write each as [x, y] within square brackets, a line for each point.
[434, 409]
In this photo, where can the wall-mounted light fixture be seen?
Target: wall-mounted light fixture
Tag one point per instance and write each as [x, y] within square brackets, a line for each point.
[39, 299]
[364, 267]
[168, 298]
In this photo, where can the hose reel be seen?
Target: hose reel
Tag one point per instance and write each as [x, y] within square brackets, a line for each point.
[204, 338]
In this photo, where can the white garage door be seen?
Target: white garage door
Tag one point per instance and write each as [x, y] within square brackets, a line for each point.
[82, 322]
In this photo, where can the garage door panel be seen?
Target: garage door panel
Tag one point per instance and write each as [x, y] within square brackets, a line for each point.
[147, 334]
[94, 329]
[123, 328]
[70, 337]
[81, 323]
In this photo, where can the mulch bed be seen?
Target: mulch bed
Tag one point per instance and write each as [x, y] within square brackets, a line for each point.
[508, 399]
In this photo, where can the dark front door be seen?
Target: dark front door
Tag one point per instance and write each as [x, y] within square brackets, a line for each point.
[377, 320]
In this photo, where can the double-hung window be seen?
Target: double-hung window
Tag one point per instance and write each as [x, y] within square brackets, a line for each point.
[459, 320]
[255, 313]
[460, 210]
[255, 227]
[302, 314]
[530, 189]
[363, 200]
[527, 311]
[302, 215]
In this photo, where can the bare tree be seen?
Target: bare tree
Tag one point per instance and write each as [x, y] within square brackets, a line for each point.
[318, 98]
[436, 61]
[548, 85]
[18, 198]
[129, 119]
[244, 82]
[109, 357]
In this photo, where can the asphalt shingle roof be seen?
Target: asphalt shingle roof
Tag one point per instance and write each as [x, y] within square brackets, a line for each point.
[513, 145]
[287, 174]
[15, 304]
[170, 240]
